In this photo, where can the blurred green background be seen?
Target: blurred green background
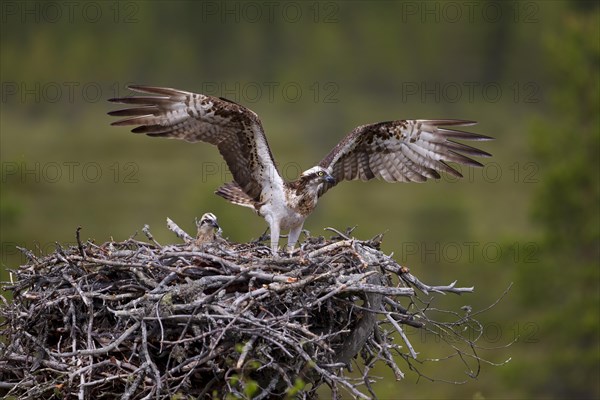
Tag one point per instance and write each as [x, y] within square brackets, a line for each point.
[527, 71]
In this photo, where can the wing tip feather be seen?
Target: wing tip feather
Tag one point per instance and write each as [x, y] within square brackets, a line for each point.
[167, 91]
[448, 122]
[134, 120]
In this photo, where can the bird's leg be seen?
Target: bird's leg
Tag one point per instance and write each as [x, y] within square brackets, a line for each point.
[274, 228]
[293, 238]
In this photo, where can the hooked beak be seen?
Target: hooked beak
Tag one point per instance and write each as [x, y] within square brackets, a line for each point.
[330, 179]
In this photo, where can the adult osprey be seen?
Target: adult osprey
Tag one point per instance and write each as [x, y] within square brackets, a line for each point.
[395, 151]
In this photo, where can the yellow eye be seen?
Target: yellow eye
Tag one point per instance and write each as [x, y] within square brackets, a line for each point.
[320, 173]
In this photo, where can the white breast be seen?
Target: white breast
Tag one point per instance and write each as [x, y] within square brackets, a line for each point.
[277, 210]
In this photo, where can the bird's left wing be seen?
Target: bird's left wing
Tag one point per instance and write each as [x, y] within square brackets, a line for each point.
[402, 151]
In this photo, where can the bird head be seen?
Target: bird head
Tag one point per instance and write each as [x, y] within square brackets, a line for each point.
[208, 222]
[317, 175]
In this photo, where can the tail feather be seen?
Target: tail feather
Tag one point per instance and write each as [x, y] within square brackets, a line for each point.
[234, 194]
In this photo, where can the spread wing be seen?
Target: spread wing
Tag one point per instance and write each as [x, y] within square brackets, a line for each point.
[402, 151]
[234, 129]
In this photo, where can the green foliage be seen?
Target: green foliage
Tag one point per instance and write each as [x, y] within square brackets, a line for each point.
[566, 205]
[298, 386]
[244, 386]
[251, 388]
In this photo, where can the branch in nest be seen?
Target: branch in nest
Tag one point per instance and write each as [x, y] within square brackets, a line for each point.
[139, 320]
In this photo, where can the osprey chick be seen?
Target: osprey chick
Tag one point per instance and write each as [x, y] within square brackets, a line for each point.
[395, 151]
[208, 229]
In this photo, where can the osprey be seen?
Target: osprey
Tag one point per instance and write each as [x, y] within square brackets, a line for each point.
[395, 151]
[208, 229]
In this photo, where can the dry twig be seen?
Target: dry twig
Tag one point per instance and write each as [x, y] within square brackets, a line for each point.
[137, 320]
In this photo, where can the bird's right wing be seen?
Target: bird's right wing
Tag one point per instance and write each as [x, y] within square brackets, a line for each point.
[234, 129]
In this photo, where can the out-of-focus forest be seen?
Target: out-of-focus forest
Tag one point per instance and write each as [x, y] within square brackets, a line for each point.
[527, 71]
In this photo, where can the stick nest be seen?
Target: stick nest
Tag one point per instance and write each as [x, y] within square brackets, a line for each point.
[140, 320]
